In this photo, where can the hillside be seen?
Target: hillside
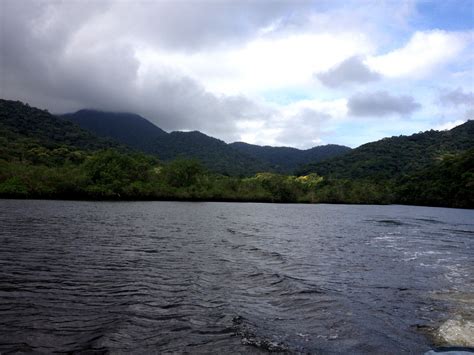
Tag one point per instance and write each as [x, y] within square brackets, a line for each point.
[396, 156]
[286, 159]
[127, 128]
[43, 156]
[447, 182]
[21, 120]
[230, 159]
[213, 153]
[31, 134]
[141, 134]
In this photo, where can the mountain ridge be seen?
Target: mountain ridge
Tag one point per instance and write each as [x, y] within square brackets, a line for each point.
[217, 155]
[44, 156]
[394, 156]
[22, 120]
[288, 159]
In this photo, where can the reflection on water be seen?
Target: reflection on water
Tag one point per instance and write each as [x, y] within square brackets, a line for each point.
[228, 277]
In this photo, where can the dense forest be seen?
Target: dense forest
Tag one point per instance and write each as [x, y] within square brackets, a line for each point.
[286, 160]
[396, 156]
[45, 156]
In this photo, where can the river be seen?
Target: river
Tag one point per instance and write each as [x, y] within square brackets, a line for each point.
[145, 277]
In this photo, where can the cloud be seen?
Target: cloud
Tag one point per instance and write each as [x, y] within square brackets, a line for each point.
[195, 68]
[302, 124]
[304, 127]
[213, 65]
[457, 97]
[422, 54]
[263, 62]
[188, 26]
[299, 128]
[381, 103]
[64, 56]
[469, 114]
[183, 103]
[449, 125]
[351, 71]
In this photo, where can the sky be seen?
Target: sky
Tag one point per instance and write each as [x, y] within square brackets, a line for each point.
[282, 73]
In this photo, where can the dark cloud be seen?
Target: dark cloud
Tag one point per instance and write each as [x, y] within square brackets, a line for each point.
[381, 103]
[351, 71]
[68, 55]
[457, 97]
[192, 25]
[182, 103]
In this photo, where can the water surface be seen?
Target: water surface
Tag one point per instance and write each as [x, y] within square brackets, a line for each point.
[230, 277]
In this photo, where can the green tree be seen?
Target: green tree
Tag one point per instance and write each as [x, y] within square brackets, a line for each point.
[111, 173]
[182, 172]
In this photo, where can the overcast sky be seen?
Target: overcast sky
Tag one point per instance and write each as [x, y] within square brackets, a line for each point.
[296, 73]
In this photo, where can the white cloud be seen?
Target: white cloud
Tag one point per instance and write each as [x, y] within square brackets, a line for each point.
[302, 124]
[263, 63]
[235, 70]
[448, 125]
[421, 55]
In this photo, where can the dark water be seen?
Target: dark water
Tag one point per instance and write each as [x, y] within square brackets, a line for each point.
[226, 277]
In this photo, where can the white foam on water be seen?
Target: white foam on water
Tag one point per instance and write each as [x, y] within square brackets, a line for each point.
[457, 332]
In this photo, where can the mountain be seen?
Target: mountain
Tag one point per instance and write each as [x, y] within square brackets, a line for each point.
[141, 134]
[213, 153]
[127, 128]
[44, 156]
[27, 128]
[286, 159]
[392, 157]
[447, 182]
[231, 159]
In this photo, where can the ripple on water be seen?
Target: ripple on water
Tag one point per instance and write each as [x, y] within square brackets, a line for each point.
[230, 278]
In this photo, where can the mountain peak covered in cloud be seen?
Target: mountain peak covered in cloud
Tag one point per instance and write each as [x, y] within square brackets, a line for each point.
[246, 70]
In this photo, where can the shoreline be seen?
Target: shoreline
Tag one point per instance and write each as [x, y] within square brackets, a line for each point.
[199, 200]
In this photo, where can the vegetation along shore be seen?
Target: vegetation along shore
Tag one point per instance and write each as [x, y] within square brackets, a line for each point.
[66, 157]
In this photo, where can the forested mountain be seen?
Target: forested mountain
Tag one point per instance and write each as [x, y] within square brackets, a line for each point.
[19, 120]
[33, 135]
[286, 159]
[396, 156]
[231, 159]
[43, 156]
[127, 128]
[213, 153]
[447, 182]
[141, 134]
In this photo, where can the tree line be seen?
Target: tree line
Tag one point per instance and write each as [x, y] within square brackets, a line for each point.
[109, 174]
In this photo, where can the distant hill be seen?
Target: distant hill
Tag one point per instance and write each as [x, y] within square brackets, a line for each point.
[141, 134]
[44, 156]
[232, 159]
[19, 121]
[396, 156]
[127, 128]
[286, 159]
